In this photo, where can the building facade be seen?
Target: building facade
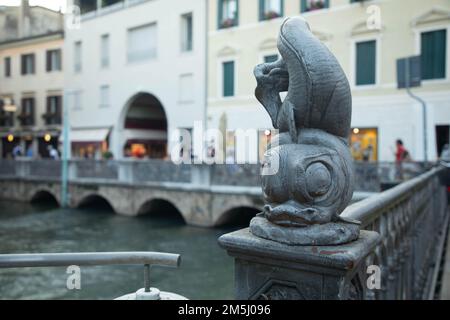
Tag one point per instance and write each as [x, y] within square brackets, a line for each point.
[31, 80]
[135, 72]
[367, 38]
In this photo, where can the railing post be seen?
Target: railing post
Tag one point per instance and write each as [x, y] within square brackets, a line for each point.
[23, 168]
[201, 175]
[125, 171]
[72, 170]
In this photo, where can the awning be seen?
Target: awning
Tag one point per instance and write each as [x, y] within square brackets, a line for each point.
[88, 135]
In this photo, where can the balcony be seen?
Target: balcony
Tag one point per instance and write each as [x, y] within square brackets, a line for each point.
[52, 119]
[26, 119]
[6, 120]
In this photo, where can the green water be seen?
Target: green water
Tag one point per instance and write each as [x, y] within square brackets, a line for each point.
[206, 271]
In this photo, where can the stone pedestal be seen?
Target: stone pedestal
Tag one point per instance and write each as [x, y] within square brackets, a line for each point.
[270, 270]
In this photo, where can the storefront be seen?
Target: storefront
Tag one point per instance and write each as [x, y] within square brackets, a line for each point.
[364, 144]
[89, 143]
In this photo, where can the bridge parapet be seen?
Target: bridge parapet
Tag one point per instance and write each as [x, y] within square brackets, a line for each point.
[397, 255]
[368, 176]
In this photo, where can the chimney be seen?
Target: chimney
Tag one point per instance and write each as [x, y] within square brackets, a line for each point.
[24, 19]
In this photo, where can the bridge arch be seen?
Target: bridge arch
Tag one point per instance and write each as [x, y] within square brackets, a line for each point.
[95, 200]
[237, 216]
[44, 195]
[161, 208]
[144, 125]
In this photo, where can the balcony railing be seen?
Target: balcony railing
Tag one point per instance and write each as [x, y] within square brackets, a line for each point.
[52, 118]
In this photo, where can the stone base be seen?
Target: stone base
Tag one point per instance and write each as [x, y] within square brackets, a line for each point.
[267, 269]
[317, 235]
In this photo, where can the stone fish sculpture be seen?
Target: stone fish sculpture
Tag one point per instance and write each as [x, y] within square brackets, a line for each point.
[314, 181]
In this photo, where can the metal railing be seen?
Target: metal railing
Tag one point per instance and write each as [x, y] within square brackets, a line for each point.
[147, 259]
[412, 220]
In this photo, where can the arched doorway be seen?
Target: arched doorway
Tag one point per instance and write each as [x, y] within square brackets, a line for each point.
[145, 128]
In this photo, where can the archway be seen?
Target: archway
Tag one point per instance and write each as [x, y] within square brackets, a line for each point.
[237, 217]
[95, 202]
[44, 197]
[162, 210]
[145, 127]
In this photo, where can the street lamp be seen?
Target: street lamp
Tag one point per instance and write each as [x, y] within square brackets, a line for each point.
[409, 75]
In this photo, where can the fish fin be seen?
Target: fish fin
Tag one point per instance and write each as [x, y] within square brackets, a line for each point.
[347, 220]
[291, 123]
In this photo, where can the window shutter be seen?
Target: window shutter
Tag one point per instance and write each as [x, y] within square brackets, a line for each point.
[228, 79]
[303, 5]
[22, 64]
[33, 63]
[49, 61]
[365, 63]
[236, 22]
[32, 110]
[433, 54]
[262, 10]
[220, 14]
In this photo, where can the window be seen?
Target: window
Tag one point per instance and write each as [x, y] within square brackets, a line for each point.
[142, 43]
[7, 65]
[6, 116]
[228, 79]
[364, 144]
[104, 96]
[366, 63]
[270, 9]
[311, 5]
[75, 99]
[186, 93]
[77, 57]
[270, 58]
[104, 51]
[106, 3]
[53, 115]
[27, 116]
[28, 64]
[186, 32]
[53, 60]
[86, 5]
[228, 13]
[433, 54]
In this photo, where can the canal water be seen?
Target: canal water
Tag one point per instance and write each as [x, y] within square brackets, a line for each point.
[206, 270]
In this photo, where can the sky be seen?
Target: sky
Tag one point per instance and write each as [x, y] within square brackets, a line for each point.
[51, 4]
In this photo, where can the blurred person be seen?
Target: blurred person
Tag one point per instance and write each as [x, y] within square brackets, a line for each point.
[17, 151]
[30, 152]
[445, 154]
[53, 153]
[401, 155]
[367, 153]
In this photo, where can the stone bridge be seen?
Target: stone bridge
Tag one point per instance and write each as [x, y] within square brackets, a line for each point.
[203, 195]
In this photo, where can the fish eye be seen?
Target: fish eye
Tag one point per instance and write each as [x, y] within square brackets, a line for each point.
[318, 179]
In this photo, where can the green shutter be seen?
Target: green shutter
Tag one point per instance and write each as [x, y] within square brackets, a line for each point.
[228, 79]
[365, 62]
[433, 54]
[219, 14]
[261, 10]
[236, 23]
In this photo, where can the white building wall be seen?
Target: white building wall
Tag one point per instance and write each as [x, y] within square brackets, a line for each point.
[159, 76]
